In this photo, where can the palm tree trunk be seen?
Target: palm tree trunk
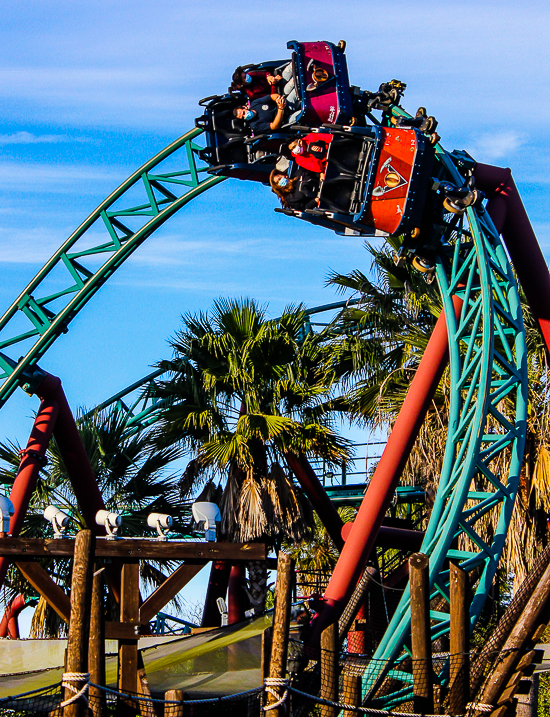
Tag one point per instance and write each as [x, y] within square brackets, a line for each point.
[313, 488]
[257, 585]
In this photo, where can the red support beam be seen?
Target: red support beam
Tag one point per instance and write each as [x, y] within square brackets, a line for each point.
[376, 502]
[9, 626]
[73, 453]
[237, 601]
[32, 459]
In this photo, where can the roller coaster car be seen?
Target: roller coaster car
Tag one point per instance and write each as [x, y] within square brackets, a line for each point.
[321, 80]
[376, 181]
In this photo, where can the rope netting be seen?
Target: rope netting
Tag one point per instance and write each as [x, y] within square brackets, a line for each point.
[439, 684]
[106, 702]
[323, 679]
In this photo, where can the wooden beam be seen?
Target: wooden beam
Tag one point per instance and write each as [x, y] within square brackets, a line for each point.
[50, 591]
[174, 710]
[129, 614]
[329, 669]
[121, 631]
[459, 687]
[96, 650]
[420, 634]
[169, 588]
[142, 548]
[352, 688]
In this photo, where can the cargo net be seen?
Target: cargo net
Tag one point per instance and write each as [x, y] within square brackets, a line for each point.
[360, 684]
[106, 702]
[323, 684]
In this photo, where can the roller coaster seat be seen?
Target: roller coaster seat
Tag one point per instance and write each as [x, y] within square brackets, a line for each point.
[224, 133]
[324, 101]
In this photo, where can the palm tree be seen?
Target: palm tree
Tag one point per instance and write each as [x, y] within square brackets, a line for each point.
[133, 480]
[248, 396]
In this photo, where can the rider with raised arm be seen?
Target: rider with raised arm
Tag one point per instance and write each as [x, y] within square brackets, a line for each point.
[265, 114]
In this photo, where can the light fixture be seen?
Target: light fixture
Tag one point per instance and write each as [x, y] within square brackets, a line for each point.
[6, 511]
[161, 522]
[222, 607]
[58, 519]
[210, 514]
[110, 521]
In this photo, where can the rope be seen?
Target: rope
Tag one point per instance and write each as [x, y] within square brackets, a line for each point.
[270, 683]
[360, 708]
[206, 701]
[480, 707]
[40, 690]
[69, 677]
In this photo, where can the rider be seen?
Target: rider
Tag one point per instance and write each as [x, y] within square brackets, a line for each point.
[255, 83]
[265, 114]
[310, 151]
[297, 193]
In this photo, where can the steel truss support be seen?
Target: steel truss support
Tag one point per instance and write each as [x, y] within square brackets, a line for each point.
[376, 502]
[486, 343]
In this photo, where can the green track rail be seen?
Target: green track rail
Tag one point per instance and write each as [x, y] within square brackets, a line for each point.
[91, 255]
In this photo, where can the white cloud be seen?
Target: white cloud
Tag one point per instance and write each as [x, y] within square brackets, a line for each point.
[496, 145]
[29, 138]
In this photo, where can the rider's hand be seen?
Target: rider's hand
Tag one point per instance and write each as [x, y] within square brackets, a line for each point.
[281, 102]
[270, 79]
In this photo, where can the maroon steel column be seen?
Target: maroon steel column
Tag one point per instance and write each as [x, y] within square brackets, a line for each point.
[73, 453]
[377, 499]
[236, 595]
[313, 488]
[32, 459]
[510, 219]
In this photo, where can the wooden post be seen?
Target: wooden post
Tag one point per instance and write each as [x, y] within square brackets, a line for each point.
[267, 640]
[534, 615]
[329, 669]
[174, 710]
[459, 688]
[79, 623]
[96, 654]
[281, 624]
[146, 708]
[351, 693]
[129, 613]
[420, 634]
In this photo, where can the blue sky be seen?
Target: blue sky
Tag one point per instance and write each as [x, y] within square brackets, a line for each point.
[89, 91]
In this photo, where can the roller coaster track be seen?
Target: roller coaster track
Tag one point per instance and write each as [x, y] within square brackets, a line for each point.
[486, 431]
[112, 232]
[487, 368]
